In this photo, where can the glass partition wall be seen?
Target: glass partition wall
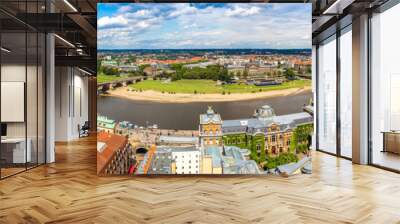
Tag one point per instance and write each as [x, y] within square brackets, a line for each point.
[327, 96]
[334, 94]
[22, 77]
[385, 89]
[345, 92]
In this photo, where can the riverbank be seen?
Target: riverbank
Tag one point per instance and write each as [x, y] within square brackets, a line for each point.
[204, 86]
[151, 95]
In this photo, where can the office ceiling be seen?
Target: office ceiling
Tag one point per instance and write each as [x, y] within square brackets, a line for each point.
[330, 15]
[74, 22]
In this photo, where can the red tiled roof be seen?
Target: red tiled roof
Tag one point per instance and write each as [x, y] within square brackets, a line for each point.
[175, 61]
[113, 144]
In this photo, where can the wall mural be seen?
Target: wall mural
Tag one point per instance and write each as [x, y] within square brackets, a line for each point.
[186, 89]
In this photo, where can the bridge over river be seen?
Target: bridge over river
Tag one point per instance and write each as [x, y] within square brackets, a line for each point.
[105, 86]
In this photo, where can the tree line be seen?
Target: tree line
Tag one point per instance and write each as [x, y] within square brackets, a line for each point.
[212, 72]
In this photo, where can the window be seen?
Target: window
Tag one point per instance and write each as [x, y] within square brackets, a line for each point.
[22, 70]
[326, 93]
[346, 92]
[385, 88]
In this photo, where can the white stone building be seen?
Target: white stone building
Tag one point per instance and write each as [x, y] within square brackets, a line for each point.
[187, 160]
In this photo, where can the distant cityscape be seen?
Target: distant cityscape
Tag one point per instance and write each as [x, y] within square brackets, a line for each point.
[261, 67]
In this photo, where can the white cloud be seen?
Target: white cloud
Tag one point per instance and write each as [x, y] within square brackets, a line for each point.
[185, 26]
[109, 22]
[182, 9]
[242, 11]
[188, 26]
[125, 8]
[143, 13]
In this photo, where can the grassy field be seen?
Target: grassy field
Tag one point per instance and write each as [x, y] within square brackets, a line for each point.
[209, 86]
[101, 78]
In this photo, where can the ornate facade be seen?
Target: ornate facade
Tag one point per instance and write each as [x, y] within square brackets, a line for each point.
[264, 134]
[210, 128]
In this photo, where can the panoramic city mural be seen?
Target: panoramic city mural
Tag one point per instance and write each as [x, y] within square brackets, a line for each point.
[204, 89]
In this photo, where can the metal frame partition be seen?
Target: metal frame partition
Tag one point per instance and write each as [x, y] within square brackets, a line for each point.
[382, 8]
[40, 117]
[338, 30]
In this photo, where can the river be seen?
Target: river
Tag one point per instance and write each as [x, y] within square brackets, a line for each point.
[185, 116]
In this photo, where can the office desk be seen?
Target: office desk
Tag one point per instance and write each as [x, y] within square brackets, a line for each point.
[13, 150]
[391, 141]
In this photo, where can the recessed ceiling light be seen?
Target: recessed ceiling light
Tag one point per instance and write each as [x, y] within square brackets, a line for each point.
[5, 50]
[64, 40]
[70, 5]
[86, 72]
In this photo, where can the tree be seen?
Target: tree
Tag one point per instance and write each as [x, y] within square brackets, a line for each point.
[131, 59]
[99, 67]
[309, 70]
[245, 74]
[289, 74]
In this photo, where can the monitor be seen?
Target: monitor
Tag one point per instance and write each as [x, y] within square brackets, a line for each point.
[3, 129]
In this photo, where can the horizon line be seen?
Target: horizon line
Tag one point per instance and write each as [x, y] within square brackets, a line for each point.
[206, 49]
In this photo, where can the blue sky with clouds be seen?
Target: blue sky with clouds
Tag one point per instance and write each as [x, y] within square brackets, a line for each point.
[203, 25]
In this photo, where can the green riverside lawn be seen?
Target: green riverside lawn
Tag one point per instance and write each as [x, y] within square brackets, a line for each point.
[101, 78]
[209, 86]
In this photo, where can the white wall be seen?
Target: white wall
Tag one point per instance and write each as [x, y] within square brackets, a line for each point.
[71, 102]
[13, 73]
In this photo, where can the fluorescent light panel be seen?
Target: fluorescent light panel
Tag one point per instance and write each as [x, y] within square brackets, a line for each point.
[64, 40]
[70, 5]
[338, 6]
[5, 50]
[86, 72]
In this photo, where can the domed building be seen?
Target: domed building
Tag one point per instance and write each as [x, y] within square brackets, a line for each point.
[264, 113]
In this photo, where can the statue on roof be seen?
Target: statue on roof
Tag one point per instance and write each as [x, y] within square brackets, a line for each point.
[210, 111]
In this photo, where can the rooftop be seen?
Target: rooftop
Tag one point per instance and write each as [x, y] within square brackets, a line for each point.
[210, 117]
[178, 139]
[177, 148]
[215, 153]
[112, 143]
[284, 121]
[105, 119]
